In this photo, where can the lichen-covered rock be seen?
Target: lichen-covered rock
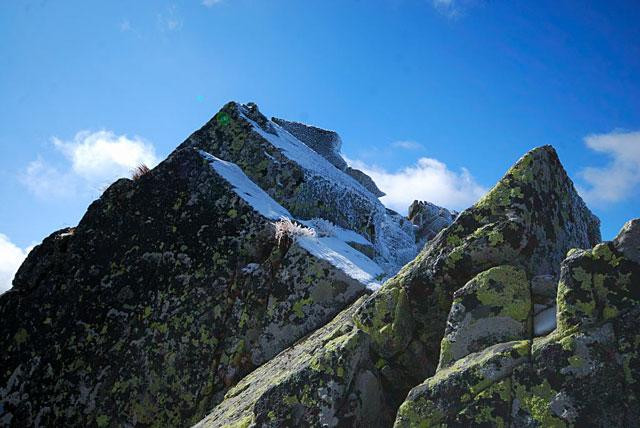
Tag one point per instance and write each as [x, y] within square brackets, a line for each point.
[530, 219]
[168, 292]
[494, 307]
[327, 379]
[585, 373]
[429, 219]
[441, 397]
[296, 165]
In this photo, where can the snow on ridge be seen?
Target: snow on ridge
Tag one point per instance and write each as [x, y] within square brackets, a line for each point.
[245, 188]
[344, 257]
[333, 248]
[309, 159]
[395, 243]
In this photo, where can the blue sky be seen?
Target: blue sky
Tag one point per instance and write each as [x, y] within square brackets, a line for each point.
[436, 96]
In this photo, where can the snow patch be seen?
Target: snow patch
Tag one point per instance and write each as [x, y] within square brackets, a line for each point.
[308, 158]
[544, 321]
[346, 258]
[245, 188]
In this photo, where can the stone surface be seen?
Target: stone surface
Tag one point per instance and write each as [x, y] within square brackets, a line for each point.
[172, 301]
[585, 373]
[327, 379]
[304, 179]
[530, 219]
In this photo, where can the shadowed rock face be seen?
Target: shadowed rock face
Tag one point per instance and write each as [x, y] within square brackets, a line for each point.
[522, 229]
[169, 291]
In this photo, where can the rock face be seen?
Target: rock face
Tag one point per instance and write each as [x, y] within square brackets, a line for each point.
[175, 286]
[170, 289]
[394, 338]
[585, 373]
[525, 222]
[429, 219]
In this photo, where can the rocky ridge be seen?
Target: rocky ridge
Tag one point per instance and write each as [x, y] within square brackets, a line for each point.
[393, 341]
[213, 310]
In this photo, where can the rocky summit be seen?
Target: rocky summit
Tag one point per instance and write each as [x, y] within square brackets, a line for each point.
[253, 278]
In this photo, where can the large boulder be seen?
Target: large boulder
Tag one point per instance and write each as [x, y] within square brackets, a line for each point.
[530, 219]
[494, 307]
[585, 373]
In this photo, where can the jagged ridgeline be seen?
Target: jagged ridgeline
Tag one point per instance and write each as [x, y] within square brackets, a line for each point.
[239, 283]
[177, 284]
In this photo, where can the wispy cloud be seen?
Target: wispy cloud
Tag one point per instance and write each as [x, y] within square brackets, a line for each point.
[170, 19]
[125, 25]
[452, 8]
[11, 257]
[428, 180]
[211, 3]
[407, 145]
[92, 160]
[620, 177]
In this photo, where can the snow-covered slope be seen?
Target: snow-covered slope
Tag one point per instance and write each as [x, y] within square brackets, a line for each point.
[331, 245]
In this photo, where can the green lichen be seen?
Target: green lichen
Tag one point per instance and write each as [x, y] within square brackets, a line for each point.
[21, 336]
[536, 400]
[299, 306]
[495, 238]
[102, 421]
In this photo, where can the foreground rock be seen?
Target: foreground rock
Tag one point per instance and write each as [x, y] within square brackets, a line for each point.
[522, 229]
[585, 373]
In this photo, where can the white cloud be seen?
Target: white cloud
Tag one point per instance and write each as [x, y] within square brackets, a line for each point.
[428, 180]
[170, 20]
[93, 160]
[210, 3]
[407, 145]
[618, 179]
[11, 257]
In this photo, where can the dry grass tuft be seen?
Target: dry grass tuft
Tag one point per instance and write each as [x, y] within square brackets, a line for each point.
[139, 171]
[287, 229]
